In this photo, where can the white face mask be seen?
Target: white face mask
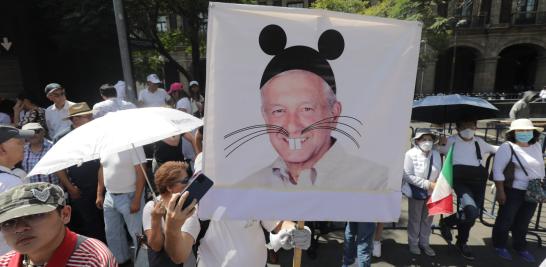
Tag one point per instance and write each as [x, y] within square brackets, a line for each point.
[426, 146]
[467, 133]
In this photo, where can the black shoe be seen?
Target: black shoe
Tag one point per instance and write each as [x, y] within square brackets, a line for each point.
[445, 231]
[465, 251]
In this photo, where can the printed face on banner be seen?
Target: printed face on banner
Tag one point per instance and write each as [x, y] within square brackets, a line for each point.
[303, 121]
[304, 110]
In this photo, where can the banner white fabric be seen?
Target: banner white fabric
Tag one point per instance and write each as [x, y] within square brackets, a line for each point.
[307, 113]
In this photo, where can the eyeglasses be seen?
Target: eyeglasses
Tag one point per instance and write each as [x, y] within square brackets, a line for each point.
[30, 220]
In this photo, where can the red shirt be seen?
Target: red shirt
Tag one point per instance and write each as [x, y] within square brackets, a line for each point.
[90, 253]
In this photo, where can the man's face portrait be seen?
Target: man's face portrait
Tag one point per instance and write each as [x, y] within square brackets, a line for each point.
[294, 100]
[31, 234]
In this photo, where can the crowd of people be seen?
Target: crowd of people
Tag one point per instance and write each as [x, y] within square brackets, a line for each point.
[105, 201]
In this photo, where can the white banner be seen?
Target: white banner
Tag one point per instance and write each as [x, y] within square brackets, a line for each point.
[307, 113]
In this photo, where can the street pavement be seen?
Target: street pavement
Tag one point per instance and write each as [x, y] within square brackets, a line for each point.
[395, 247]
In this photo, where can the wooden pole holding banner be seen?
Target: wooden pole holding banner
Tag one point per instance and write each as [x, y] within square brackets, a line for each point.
[296, 262]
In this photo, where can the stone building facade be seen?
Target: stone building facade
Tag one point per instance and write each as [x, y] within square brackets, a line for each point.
[500, 47]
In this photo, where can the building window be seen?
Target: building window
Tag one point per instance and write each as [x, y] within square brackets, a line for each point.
[464, 8]
[527, 5]
[485, 12]
[506, 11]
[526, 12]
[295, 4]
[442, 9]
[161, 24]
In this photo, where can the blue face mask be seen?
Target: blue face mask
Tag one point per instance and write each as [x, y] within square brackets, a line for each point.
[524, 137]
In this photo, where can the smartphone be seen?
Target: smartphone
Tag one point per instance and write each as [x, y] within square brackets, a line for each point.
[197, 189]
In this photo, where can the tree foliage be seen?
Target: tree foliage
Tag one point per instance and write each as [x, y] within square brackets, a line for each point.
[143, 17]
[435, 28]
[347, 6]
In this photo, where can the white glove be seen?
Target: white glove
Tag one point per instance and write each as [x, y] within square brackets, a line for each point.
[290, 238]
[302, 238]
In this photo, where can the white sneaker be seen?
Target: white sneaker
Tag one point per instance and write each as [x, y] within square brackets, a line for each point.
[428, 250]
[414, 249]
[376, 249]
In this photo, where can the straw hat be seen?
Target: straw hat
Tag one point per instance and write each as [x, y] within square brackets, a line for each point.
[78, 109]
[523, 124]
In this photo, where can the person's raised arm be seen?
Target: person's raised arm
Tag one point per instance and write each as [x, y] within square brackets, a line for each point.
[154, 235]
[178, 244]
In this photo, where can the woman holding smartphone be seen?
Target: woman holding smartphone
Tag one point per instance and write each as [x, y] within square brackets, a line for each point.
[170, 179]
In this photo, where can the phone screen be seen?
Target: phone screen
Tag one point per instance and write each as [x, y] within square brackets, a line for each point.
[197, 189]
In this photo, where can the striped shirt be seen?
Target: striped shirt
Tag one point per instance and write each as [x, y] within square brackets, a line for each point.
[90, 253]
[31, 159]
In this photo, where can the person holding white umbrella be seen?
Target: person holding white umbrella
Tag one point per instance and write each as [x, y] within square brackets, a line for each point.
[122, 132]
[86, 218]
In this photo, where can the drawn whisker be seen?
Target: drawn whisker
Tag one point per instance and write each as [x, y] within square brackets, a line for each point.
[326, 123]
[259, 131]
[246, 142]
[348, 135]
[268, 126]
[335, 117]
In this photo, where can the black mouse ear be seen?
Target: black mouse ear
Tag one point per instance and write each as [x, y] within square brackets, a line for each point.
[331, 44]
[272, 39]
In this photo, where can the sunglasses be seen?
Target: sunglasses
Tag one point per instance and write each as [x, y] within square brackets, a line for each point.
[30, 220]
[185, 180]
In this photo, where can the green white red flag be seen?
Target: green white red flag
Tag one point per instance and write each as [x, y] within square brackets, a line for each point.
[441, 200]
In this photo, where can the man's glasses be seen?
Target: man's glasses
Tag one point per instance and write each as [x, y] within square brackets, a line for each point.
[30, 220]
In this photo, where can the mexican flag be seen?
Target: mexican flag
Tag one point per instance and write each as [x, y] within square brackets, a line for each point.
[441, 200]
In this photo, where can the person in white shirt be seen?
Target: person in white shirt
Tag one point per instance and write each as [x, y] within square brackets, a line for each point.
[182, 98]
[5, 119]
[197, 99]
[153, 96]
[226, 243]
[122, 176]
[110, 102]
[169, 179]
[422, 165]
[56, 113]
[469, 156]
[525, 152]
[11, 152]
[121, 89]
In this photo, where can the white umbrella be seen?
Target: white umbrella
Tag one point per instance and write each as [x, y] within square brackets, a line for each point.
[113, 133]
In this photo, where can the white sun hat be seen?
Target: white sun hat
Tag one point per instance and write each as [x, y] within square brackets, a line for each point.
[523, 124]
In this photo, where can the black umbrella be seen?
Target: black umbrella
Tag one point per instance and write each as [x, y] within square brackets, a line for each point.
[452, 108]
